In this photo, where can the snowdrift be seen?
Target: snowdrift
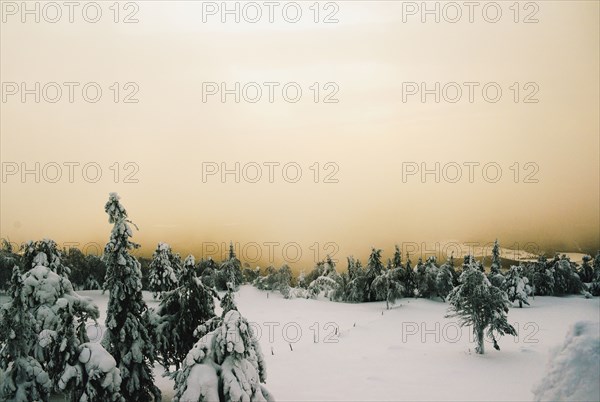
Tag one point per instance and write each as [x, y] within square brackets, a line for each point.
[573, 372]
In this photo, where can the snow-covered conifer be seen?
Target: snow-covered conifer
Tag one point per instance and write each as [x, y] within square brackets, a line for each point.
[180, 312]
[543, 279]
[162, 273]
[586, 271]
[397, 260]
[357, 286]
[374, 269]
[44, 252]
[127, 338]
[480, 305]
[227, 301]
[427, 277]
[328, 282]
[409, 279]
[226, 364]
[595, 284]
[93, 377]
[496, 278]
[517, 286]
[566, 279]
[388, 287]
[230, 271]
[444, 280]
[24, 378]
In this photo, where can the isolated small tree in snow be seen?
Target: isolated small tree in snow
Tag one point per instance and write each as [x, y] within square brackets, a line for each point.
[24, 379]
[480, 305]
[226, 364]
[180, 312]
[162, 273]
[127, 338]
[517, 286]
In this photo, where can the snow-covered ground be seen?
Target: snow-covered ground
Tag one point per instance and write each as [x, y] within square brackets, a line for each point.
[354, 352]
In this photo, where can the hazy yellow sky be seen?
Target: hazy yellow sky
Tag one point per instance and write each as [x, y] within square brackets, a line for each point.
[170, 132]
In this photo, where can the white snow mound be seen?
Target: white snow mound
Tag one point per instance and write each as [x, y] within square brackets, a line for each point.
[573, 372]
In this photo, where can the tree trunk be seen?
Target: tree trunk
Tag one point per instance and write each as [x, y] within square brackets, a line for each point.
[480, 341]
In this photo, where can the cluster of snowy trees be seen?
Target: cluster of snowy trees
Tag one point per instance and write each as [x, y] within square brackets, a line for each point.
[85, 271]
[45, 349]
[428, 279]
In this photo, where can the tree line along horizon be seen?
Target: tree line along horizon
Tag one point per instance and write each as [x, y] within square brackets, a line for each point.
[184, 332]
[87, 272]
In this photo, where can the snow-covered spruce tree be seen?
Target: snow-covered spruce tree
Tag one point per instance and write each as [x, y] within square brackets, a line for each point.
[226, 364]
[543, 279]
[595, 285]
[397, 260]
[126, 337]
[387, 286]
[284, 280]
[586, 271]
[162, 273]
[496, 278]
[45, 292]
[566, 280]
[480, 305]
[227, 301]
[44, 252]
[208, 271]
[94, 377]
[374, 269]
[427, 277]
[250, 274]
[517, 286]
[420, 281]
[180, 312]
[328, 283]
[81, 370]
[230, 271]
[357, 286]
[24, 379]
[268, 280]
[444, 280]
[409, 279]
